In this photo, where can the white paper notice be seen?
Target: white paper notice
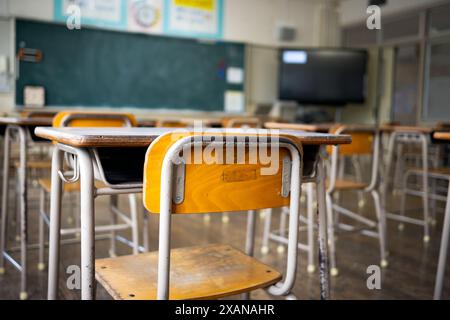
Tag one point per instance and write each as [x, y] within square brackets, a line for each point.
[235, 75]
[234, 101]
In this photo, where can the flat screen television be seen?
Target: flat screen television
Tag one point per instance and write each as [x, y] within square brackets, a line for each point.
[323, 76]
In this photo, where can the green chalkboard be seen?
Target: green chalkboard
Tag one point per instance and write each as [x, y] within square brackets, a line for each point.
[100, 68]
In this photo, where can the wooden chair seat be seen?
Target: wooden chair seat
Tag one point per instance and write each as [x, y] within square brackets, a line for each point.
[36, 164]
[68, 187]
[348, 185]
[203, 272]
[441, 170]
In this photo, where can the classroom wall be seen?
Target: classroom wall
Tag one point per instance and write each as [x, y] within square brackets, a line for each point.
[250, 21]
[354, 11]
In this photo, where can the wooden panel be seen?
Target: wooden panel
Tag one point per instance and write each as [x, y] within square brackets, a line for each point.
[100, 121]
[213, 185]
[171, 124]
[206, 272]
[23, 121]
[348, 185]
[317, 127]
[361, 144]
[442, 135]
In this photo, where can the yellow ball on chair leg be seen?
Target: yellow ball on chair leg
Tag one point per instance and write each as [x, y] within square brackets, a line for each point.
[280, 248]
[41, 266]
[225, 218]
[2, 270]
[23, 295]
[334, 272]
[426, 239]
[311, 268]
[264, 249]
[384, 263]
[401, 227]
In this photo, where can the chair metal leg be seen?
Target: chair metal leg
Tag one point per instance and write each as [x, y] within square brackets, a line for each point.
[322, 234]
[426, 217]
[23, 212]
[381, 227]
[310, 218]
[250, 241]
[145, 231]
[87, 225]
[266, 234]
[41, 263]
[134, 222]
[55, 225]
[443, 250]
[403, 199]
[282, 227]
[113, 203]
[331, 241]
[5, 194]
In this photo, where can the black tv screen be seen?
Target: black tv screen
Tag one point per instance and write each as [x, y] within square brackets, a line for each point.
[322, 76]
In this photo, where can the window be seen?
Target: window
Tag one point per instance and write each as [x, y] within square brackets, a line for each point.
[438, 93]
[405, 85]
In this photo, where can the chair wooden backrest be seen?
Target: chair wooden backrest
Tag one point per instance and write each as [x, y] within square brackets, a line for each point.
[94, 119]
[215, 187]
[362, 140]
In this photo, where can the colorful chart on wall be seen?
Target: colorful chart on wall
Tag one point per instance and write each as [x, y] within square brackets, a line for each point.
[186, 18]
[196, 18]
[103, 13]
[145, 15]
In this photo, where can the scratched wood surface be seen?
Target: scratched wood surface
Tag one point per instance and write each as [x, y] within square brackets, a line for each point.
[104, 137]
[25, 121]
[202, 272]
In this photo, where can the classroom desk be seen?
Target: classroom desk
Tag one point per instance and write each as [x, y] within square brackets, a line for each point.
[81, 141]
[23, 127]
[445, 136]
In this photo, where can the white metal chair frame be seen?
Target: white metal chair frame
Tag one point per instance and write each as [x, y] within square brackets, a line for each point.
[279, 289]
[421, 140]
[380, 224]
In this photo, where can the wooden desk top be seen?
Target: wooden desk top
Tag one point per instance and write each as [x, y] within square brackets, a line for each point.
[312, 127]
[142, 137]
[442, 135]
[394, 128]
[23, 121]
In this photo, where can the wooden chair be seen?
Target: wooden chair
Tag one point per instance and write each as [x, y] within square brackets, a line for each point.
[365, 142]
[91, 119]
[175, 185]
[435, 172]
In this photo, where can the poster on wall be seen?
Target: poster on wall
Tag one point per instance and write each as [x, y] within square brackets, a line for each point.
[103, 13]
[194, 18]
[145, 15]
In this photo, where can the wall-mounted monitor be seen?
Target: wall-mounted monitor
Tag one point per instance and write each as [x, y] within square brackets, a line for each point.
[323, 76]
